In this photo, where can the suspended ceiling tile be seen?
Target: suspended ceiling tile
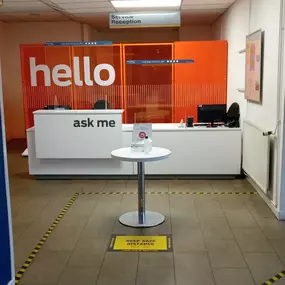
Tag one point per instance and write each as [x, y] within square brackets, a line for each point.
[28, 6]
[204, 7]
[89, 10]
[200, 17]
[84, 5]
[33, 17]
[80, 1]
[207, 2]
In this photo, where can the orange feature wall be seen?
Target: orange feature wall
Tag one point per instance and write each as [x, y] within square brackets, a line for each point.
[162, 93]
[203, 82]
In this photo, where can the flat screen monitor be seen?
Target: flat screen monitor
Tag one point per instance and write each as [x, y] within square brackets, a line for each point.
[212, 113]
[56, 107]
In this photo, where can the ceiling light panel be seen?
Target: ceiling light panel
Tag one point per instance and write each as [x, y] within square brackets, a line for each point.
[29, 6]
[123, 4]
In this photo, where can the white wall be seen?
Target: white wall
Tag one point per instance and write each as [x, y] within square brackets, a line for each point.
[26, 33]
[243, 18]
[195, 33]
[185, 33]
[137, 35]
[233, 26]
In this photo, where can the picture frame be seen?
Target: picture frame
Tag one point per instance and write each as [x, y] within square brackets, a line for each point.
[254, 66]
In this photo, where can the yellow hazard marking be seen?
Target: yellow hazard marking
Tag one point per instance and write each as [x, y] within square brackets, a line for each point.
[32, 256]
[140, 243]
[137, 243]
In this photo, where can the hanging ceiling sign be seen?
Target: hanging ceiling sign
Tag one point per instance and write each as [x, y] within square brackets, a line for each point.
[146, 19]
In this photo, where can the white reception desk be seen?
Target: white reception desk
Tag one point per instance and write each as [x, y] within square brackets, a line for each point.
[79, 142]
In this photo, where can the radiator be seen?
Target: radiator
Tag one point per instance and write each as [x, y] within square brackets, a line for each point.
[256, 155]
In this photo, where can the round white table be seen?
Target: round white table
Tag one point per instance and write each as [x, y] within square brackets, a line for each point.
[141, 218]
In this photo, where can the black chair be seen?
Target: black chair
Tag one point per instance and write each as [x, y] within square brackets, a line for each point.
[232, 116]
[101, 105]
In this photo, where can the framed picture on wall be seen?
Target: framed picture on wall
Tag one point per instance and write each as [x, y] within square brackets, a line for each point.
[254, 64]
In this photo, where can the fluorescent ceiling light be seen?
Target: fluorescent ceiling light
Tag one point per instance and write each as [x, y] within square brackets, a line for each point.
[146, 3]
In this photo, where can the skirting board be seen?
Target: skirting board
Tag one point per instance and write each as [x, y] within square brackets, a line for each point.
[279, 215]
[25, 153]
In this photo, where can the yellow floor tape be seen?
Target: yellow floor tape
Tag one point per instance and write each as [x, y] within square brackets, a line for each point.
[155, 245]
[275, 278]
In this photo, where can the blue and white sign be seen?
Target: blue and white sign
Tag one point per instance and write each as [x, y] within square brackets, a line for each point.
[164, 61]
[6, 241]
[144, 19]
[57, 44]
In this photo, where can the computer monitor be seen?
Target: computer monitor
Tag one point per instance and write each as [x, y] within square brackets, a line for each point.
[56, 107]
[212, 113]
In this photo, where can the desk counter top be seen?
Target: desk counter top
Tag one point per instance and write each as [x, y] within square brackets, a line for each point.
[177, 128]
[77, 112]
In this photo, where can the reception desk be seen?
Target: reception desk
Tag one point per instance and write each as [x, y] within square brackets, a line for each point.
[79, 142]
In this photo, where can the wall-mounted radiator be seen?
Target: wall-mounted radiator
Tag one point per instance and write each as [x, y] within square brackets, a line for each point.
[256, 155]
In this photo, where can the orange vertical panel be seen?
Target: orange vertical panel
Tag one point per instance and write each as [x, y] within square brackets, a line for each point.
[148, 87]
[202, 82]
[87, 95]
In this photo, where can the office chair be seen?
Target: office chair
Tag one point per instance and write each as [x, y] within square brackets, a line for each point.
[232, 116]
[101, 105]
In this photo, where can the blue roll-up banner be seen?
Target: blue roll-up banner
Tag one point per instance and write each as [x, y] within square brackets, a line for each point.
[58, 44]
[6, 244]
[163, 61]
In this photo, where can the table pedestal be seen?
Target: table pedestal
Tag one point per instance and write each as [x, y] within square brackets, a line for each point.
[141, 218]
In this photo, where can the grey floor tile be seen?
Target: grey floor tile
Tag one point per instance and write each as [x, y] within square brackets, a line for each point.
[263, 266]
[233, 277]
[279, 246]
[231, 202]
[89, 186]
[222, 185]
[258, 207]
[120, 229]
[158, 203]
[211, 209]
[153, 276]
[179, 185]
[225, 254]
[216, 228]
[119, 268]
[99, 228]
[117, 276]
[157, 186]
[116, 186]
[240, 218]
[22, 249]
[46, 269]
[79, 276]
[164, 228]
[272, 228]
[88, 253]
[19, 228]
[121, 260]
[200, 186]
[188, 240]
[63, 238]
[252, 240]
[156, 259]
[193, 269]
